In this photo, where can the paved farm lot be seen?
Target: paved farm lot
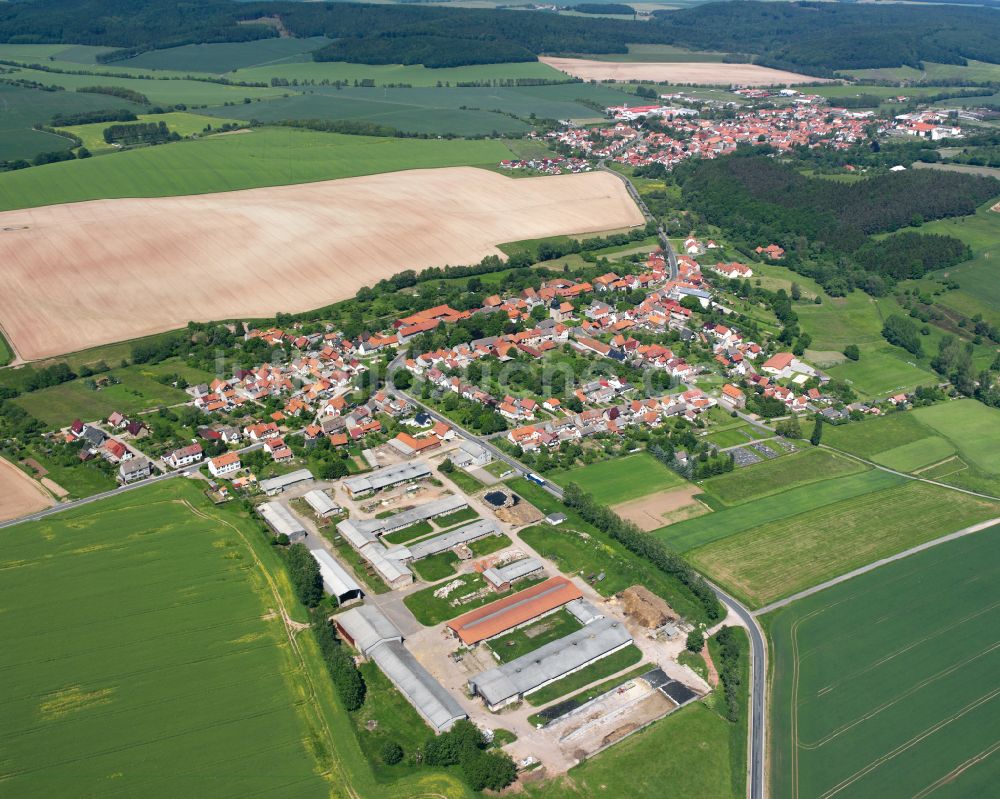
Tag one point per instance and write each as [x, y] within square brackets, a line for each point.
[886, 685]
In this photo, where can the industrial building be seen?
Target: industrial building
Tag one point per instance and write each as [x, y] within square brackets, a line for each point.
[515, 610]
[337, 581]
[392, 570]
[275, 485]
[282, 521]
[501, 578]
[462, 535]
[321, 503]
[378, 639]
[520, 677]
[386, 477]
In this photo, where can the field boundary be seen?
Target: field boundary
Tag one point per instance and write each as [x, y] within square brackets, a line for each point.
[975, 528]
[909, 476]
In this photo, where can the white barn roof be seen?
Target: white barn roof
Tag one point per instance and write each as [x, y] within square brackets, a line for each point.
[280, 519]
[551, 661]
[320, 502]
[368, 627]
[283, 481]
[427, 695]
[386, 476]
[463, 535]
[336, 579]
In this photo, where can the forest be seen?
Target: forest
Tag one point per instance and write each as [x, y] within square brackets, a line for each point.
[826, 226]
[815, 38]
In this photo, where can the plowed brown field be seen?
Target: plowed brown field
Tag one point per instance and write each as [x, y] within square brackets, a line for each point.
[19, 494]
[712, 74]
[83, 274]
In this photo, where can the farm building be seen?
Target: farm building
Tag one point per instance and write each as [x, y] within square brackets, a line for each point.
[501, 578]
[524, 675]
[275, 485]
[321, 503]
[336, 579]
[583, 611]
[515, 610]
[470, 454]
[394, 572]
[377, 638]
[386, 477]
[366, 627]
[441, 543]
[420, 513]
[281, 521]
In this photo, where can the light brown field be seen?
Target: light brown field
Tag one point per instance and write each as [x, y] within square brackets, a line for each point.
[662, 508]
[83, 274]
[713, 74]
[19, 494]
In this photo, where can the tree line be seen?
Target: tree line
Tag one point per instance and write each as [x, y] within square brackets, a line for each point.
[645, 546]
[817, 38]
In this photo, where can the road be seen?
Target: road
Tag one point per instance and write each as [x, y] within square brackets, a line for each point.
[114, 492]
[975, 528]
[660, 232]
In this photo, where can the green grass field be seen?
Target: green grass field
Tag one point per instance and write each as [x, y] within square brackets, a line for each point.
[415, 75]
[974, 71]
[774, 476]
[580, 548]
[886, 685]
[264, 157]
[221, 57]
[59, 405]
[621, 479]
[979, 290]
[142, 657]
[605, 667]
[436, 567]
[23, 108]
[464, 111]
[527, 639]
[914, 439]
[181, 122]
[80, 479]
[693, 533]
[769, 562]
[688, 751]
[657, 53]
[6, 353]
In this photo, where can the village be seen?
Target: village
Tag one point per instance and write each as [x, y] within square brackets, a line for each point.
[668, 133]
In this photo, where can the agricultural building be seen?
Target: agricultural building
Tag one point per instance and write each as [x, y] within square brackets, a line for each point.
[524, 675]
[275, 485]
[368, 528]
[583, 611]
[378, 639]
[282, 521]
[321, 503]
[501, 578]
[386, 477]
[441, 543]
[366, 627]
[336, 580]
[515, 610]
[469, 454]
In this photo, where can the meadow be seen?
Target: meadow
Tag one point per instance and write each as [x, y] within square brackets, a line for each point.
[965, 433]
[979, 289]
[886, 685]
[975, 71]
[766, 563]
[416, 75]
[218, 58]
[144, 656]
[439, 110]
[161, 90]
[774, 476]
[694, 533]
[227, 162]
[58, 406]
[183, 123]
[23, 108]
[620, 479]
